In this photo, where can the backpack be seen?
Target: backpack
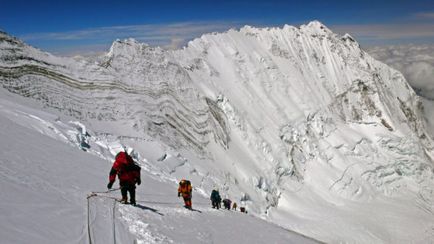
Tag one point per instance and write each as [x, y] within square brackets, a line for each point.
[132, 165]
[185, 183]
[185, 186]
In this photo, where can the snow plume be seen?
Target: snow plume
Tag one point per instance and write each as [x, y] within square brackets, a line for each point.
[299, 125]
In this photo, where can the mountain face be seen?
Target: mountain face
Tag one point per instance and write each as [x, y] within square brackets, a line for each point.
[416, 62]
[299, 125]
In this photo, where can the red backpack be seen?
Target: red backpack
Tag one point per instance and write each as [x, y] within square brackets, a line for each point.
[127, 169]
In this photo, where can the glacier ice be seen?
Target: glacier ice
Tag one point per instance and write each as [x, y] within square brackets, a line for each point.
[298, 124]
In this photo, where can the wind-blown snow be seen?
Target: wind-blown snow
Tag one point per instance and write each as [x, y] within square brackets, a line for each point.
[299, 125]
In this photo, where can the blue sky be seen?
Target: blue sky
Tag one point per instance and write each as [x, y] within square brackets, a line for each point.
[69, 27]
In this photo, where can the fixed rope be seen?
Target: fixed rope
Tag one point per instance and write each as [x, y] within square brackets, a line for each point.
[113, 221]
[101, 195]
[96, 194]
[88, 221]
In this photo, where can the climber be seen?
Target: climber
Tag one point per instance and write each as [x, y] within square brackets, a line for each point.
[215, 199]
[186, 190]
[234, 206]
[227, 203]
[128, 173]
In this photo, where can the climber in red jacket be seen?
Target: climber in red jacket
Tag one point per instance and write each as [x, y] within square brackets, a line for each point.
[128, 173]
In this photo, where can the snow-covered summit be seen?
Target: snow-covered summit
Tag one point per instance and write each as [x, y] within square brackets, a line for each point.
[127, 48]
[297, 124]
[5, 37]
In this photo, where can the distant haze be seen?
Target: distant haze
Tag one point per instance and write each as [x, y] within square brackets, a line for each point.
[416, 62]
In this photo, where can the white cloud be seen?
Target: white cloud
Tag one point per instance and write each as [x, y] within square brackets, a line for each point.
[175, 35]
[387, 31]
[155, 34]
[97, 40]
[81, 50]
[425, 15]
[416, 62]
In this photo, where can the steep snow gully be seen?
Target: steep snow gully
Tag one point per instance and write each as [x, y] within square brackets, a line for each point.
[299, 125]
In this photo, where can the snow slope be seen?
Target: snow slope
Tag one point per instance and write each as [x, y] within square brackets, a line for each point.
[299, 125]
[416, 62]
[45, 181]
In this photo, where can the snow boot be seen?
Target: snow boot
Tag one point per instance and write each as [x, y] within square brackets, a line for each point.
[124, 200]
